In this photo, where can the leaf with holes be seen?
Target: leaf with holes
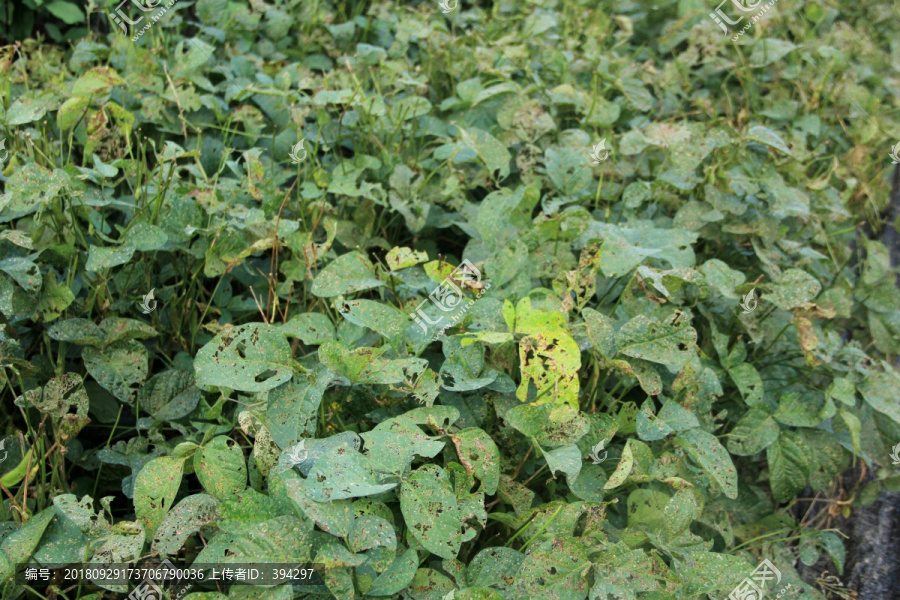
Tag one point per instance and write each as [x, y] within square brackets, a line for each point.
[365, 365]
[154, 491]
[221, 468]
[250, 358]
[430, 509]
[342, 473]
[755, 432]
[709, 453]
[312, 329]
[119, 367]
[479, 455]
[169, 395]
[384, 319]
[188, 517]
[549, 364]
[351, 272]
[659, 342]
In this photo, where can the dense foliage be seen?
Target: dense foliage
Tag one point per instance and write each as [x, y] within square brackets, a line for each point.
[650, 348]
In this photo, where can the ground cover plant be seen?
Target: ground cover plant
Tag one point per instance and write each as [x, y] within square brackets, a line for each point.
[555, 300]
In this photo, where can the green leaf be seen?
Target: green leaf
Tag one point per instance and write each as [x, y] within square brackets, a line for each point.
[29, 108]
[566, 459]
[71, 111]
[601, 331]
[381, 318]
[706, 450]
[749, 383]
[489, 150]
[245, 509]
[677, 416]
[292, 407]
[119, 367]
[854, 426]
[796, 287]
[68, 12]
[393, 445]
[556, 569]
[121, 543]
[188, 517]
[283, 539]
[659, 342]
[711, 573]
[365, 365]
[146, 237]
[833, 545]
[402, 257]
[335, 517]
[755, 432]
[24, 272]
[396, 577]
[842, 390]
[117, 328]
[802, 409]
[351, 272]
[250, 358]
[636, 93]
[154, 491]
[370, 531]
[790, 463]
[221, 468]
[547, 426]
[22, 541]
[431, 511]
[479, 454]
[169, 395]
[29, 188]
[646, 507]
[77, 331]
[97, 82]
[492, 566]
[879, 392]
[634, 465]
[649, 427]
[672, 418]
[568, 169]
[107, 257]
[313, 329]
[683, 508]
[827, 458]
[768, 51]
[342, 473]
